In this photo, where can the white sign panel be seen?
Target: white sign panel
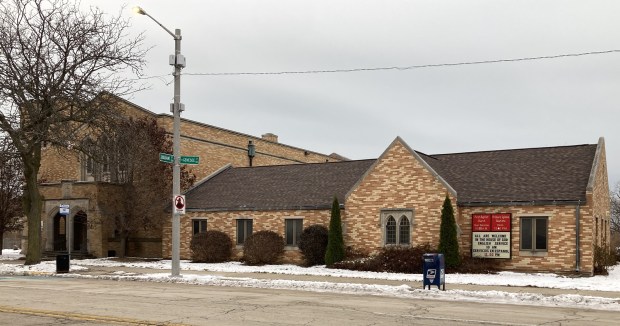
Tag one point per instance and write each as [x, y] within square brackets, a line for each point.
[64, 209]
[178, 204]
[491, 245]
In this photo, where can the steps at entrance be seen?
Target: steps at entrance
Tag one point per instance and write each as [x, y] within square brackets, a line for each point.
[51, 255]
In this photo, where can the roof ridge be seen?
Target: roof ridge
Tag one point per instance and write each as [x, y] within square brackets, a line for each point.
[511, 150]
[301, 164]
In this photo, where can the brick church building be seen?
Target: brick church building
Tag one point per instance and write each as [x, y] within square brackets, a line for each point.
[68, 178]
[537, 209]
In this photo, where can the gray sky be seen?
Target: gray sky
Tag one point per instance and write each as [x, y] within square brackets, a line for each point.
[551, 102]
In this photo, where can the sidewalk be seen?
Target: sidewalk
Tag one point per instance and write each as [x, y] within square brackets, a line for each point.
[110, 271]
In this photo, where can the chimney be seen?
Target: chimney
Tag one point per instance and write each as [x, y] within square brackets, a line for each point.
[270, 137]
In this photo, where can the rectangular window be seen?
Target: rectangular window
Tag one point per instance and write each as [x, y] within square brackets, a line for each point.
[90, 165]
[293, 229]
[534, 233]
[199, 226]
[244, 230]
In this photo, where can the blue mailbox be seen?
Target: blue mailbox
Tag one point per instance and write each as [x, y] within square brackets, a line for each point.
[434, 271]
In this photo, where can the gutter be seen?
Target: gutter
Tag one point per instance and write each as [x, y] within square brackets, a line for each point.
[577, 244]
[519, 203]
[253, 208]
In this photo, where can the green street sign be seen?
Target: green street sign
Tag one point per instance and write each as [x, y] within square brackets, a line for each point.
[166, 158]
[189, 159]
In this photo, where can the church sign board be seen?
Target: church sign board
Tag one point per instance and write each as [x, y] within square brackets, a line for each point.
[491, 235]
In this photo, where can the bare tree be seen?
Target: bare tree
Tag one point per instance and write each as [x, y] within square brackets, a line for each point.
[55, 61]
[615, 210]
[129, 152]
[10, 189]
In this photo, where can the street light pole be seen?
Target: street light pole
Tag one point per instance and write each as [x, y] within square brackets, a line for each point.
[178, 61]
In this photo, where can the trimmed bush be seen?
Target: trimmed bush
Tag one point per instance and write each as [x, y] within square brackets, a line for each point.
[402, 260]
[603, 258]
[263, 247]
[211, 247]
[313, 244]
[391, 259]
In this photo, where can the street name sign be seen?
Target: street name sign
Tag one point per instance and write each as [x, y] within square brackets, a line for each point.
[166, 158]
[189, 159]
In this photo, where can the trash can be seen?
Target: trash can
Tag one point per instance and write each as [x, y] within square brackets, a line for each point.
[434, 272]
[62, 264]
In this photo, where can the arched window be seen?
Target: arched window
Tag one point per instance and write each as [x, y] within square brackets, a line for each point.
[390, 230]
[404, 231]
[397, 227]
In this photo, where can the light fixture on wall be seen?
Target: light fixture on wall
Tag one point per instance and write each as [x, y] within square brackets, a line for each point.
[251, 151]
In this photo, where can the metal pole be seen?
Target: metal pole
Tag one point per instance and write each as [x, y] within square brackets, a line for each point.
[177, 107]
[176, 151]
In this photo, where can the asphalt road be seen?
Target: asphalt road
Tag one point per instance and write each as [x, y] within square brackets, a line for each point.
[34, 300]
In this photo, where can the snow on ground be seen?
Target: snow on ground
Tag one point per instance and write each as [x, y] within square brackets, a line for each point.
[10, 254]
[610, 282]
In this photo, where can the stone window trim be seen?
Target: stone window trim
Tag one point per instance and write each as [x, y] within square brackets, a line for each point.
[396, 234]
[295, 236]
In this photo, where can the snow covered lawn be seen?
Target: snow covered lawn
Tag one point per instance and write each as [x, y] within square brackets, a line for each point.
[610, 282]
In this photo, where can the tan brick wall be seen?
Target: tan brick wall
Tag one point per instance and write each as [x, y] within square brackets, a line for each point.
[215, 146]
[226, 222]
[398, 180]
[601, 202]
[560, 255]
[59, 164]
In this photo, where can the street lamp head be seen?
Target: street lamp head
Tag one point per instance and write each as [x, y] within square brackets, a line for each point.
[139, 10]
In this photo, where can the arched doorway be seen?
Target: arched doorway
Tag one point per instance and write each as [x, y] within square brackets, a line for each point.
[60, 232]
[80, 229]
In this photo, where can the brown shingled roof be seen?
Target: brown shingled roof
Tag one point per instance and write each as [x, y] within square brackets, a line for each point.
[296, 186]
[519, 175]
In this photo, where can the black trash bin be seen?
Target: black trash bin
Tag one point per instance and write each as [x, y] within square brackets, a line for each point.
[62, 264]
[434, 271]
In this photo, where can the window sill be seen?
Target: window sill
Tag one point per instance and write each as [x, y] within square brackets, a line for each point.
[528, 253]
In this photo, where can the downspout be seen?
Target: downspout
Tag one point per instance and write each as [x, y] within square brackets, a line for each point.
[577, 232]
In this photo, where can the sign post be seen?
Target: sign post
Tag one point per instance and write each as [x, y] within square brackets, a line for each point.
[65, 210]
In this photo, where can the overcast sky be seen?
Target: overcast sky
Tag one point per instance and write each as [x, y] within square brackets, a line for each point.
[552, 102]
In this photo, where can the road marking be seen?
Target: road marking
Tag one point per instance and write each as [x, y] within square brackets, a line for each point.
[83, 317]
[469, 321]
